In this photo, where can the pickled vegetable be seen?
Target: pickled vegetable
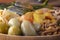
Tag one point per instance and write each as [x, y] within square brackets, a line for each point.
[3, 28]
[28, 16]
[38, 16]
[14, 21]
[27, 28]
[8, 14]
[14, 30]
[36, 26]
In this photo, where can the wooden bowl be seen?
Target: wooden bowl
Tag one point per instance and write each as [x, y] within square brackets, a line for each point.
[10, 37]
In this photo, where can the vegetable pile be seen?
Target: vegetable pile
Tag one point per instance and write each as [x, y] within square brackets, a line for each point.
[40, 22]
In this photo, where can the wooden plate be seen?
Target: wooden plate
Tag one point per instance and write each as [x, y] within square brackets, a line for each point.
[10, 37]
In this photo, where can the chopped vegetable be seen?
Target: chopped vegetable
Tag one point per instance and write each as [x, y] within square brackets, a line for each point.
[14, 21]
[14, 30]
[28, 16]
[27, 28]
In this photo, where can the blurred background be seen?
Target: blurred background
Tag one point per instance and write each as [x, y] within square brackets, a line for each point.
[53, 2]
